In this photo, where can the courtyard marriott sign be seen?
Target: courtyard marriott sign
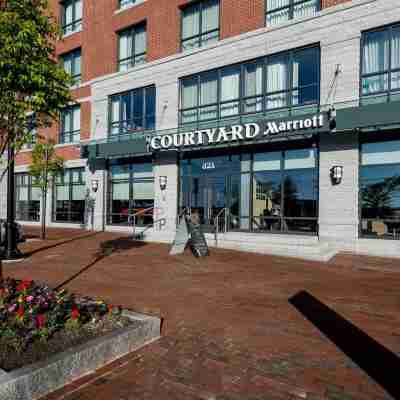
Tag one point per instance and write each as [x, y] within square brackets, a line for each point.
[236, 133]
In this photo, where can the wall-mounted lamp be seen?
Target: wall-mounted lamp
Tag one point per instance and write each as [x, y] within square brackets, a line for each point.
[163, 182]
[95, 185]
[336, 174]
[332, 119]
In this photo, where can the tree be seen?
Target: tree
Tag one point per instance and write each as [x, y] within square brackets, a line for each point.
[45, 166]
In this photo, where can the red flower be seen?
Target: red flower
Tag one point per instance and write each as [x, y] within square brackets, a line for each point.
[40, 321]
[110, 308]
[25, 284]
[75, 313]
[20, 311]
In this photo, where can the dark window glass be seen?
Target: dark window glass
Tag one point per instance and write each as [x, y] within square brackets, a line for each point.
[27, 197]
[71, 16]
[200, 24]
[72, 65]
[380, 69]
[285, 83]
[131, 194]
[133, 111]
[279, 11]
[132, 47]
[70, 125]
[380, 190]
[70, 196]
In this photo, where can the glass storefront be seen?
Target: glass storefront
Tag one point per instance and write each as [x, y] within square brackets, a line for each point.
[69, 196]
[27, 196]
[131, 191]
[380, 190]
[262, 192]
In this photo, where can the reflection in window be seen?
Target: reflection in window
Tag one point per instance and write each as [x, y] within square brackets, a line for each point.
[380, 190]
[381, 64]
[279, 11]
[131, 47]
[72, 65]
[133, 111]
[27, 198]
[71, 16]
[70, 125]
[131, 191]
[291, 81]
[69, 196]
[200, 24]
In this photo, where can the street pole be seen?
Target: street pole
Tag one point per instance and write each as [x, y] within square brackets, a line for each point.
[11, 251]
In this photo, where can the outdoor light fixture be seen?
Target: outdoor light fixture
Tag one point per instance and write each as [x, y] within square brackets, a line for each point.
[95, 185]
[332, 119]
[163, 182]
[336, 174]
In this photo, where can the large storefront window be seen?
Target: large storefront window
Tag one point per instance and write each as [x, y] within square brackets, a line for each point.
[380, 190]
[69, 196]
[277, 85]
[131, 191]
[380, 79]
[27, 198]
[261, 192]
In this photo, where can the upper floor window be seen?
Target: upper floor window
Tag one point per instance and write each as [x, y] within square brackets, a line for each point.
[200, 24]
[276, 83]
[129, 3]
[278, 11]
[133, 111]
[380, 75]
[31, 129]
[70, 125]
[131, 47]
[72, 65]
[71, 16]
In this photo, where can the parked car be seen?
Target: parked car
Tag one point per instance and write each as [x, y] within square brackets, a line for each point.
[3, 230]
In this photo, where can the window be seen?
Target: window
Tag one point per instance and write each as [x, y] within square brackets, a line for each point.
[380, 75]
[131, 47]
[69, 196]
[71, 16]
[129, 3]
[284, 83]
[278, 11]
[200, 24]
[72, 65]
[380, 190]
[71, 125]
[27, 198]
[31, 129]
[133, 111]
[131, 191]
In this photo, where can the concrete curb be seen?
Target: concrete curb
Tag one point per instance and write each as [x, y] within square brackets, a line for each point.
[44, 377]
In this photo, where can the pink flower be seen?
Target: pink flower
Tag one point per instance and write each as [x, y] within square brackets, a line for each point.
[29, 299]
[12, 308]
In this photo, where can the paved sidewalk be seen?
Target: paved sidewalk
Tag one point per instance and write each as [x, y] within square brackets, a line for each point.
[229, 330]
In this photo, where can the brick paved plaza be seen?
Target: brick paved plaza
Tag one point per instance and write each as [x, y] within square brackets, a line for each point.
[229, 330]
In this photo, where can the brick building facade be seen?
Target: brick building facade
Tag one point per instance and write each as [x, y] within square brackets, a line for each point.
[153, 74]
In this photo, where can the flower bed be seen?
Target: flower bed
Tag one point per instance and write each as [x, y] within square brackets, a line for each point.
[37, 321]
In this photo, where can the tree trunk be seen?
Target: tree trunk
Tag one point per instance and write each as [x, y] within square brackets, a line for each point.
[43, 231]
[1, 273]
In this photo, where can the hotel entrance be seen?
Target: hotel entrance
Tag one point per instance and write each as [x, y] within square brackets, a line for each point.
[210, 188]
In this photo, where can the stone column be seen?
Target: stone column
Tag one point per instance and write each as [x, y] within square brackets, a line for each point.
[338, 204]
[97, 221]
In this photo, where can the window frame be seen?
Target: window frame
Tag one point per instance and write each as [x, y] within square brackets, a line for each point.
[121, 131]
[29, 185]
[131, 30]
[290, 7]
[73, 55]
[70, 184]
[76, 24]
[263, 61]
[72, 133]
[199, 3]
[131, 3]
[388, 29]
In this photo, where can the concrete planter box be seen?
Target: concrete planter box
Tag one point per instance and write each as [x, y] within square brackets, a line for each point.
[43, 377]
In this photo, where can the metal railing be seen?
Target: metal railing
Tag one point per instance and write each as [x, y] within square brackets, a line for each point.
[133, 217]
[160, 221]
[222, 213]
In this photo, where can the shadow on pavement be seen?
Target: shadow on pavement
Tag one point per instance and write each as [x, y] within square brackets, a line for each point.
[107, 248]
[376, 360]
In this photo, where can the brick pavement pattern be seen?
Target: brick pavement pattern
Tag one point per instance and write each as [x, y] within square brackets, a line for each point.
[229, 332]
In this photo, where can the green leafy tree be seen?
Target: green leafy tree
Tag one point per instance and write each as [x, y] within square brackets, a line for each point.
[31, 80]
[46, 165]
